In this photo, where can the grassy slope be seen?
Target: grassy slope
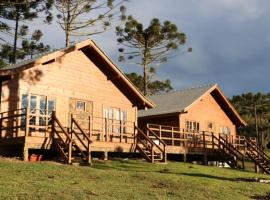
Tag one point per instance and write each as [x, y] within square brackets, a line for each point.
[124, 180]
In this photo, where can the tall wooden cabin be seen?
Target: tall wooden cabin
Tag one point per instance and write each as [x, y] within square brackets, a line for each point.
[75, 89]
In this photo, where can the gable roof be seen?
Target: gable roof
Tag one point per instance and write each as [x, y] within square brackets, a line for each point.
[177, 102]
[96, 55]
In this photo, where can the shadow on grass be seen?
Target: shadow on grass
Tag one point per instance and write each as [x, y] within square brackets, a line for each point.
[200, 175]
[261, 197]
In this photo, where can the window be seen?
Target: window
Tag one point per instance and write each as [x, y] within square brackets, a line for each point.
[115, 119]
[224, 130]
[210, 125]
[192, 126]
[80, 105]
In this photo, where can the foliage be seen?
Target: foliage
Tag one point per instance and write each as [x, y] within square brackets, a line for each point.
[34, 46]
[21, 11]
[148, 46]
[245, 106]
[154, 87]
[76, 17]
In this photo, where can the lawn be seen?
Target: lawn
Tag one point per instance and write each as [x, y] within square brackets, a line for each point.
[126, 180]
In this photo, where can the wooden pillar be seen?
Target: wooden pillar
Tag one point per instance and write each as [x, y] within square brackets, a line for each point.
[69, 152]
[25, 152]
[27, 112]
[185, 157]
[205, 159]
[105, 155]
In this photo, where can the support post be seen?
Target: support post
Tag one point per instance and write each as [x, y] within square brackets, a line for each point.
[204, 144]
[27, 112]
[69, 152]
[25, 153]
[105, 155]
[205, 160]
[172, 136]
[212, 134]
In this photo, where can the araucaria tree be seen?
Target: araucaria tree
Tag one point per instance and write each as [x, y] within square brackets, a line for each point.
[20, 12]
[87, 17]
[149, 46]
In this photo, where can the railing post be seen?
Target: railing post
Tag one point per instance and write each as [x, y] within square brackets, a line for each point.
[219, 145]
[106, 130]
[159, 131]
[212, 135]
[53, 124]
[152, 154]
[89, 127]
[185, 138]
[1, 124]
[27, 112]
[204, 145]
[71, 126]
[121, 131]
[172, 136]
[69, 151]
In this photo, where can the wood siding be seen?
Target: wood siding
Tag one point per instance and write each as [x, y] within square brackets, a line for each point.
[207, 110]
[70, 76]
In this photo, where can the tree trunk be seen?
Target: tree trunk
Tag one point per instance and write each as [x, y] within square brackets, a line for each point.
[68, 25]
[145, 70]
[12, 58]
[67, 38]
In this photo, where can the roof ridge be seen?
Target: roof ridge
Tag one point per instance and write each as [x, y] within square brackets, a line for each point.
[184, 89]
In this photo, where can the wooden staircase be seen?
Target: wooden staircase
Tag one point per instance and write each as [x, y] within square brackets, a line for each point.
[228, 153]
[258, 156]
[74, 145]
[152, 148]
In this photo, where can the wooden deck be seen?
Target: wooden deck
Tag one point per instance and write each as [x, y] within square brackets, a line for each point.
[19, 130]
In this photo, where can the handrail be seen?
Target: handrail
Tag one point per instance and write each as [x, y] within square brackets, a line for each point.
[151, 142]
[231, 146]
[61, 127]
[156, 136]
[83, 133]
[258, 150]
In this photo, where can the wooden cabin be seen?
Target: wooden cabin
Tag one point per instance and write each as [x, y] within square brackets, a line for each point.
[77, 83]
[192, 111]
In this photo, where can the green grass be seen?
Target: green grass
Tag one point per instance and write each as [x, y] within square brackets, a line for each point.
[125, 180]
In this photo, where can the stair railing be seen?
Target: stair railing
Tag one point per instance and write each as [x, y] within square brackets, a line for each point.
[75, 126]
[226, 146]
[68, 143]
[155, 137]
[148, 143]
[258, 149]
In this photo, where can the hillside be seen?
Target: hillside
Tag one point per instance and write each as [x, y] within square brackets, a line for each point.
[125, 180]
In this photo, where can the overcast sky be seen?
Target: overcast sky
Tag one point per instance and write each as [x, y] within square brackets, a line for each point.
[230, 41]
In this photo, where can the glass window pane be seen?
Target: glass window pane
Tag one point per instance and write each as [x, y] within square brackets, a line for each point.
[33, 104]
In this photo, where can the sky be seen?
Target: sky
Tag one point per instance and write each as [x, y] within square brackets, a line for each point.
[230, 41]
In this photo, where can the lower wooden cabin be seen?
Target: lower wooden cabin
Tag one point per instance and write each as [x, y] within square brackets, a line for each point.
[200, 123]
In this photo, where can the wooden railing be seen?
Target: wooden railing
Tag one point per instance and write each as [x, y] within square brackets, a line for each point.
[105, 130]
[82, 137]
[174, 136]
[65, 141]
[149, 148]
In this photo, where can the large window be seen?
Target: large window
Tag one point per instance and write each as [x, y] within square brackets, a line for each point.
[224, 130]
[40, 107]
[193, 126]
[115, 119]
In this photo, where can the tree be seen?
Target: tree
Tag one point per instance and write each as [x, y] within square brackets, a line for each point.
[19, 11]
[76, 17]
[255, 109]
[34, 46]
[154, 87]
[149, 46]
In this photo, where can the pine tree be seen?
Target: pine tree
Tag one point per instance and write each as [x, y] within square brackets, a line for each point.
[149, 46]
[19, 11]
[87, 17]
